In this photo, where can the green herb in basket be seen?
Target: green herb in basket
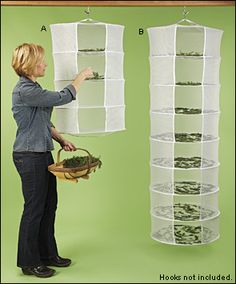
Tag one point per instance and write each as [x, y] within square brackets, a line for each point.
[80, 161]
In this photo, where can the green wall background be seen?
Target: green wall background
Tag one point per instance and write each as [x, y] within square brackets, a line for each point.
[103, 224]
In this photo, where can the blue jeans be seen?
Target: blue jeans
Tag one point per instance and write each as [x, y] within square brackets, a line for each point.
[36, 234]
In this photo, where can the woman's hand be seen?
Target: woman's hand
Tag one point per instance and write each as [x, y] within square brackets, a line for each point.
[67, 145]
[85, 73]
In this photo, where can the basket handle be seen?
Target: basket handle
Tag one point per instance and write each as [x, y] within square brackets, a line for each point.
[89, 159]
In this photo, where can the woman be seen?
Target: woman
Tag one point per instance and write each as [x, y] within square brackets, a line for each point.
[32, 107]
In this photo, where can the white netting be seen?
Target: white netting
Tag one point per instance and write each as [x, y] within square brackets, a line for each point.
[96, 93]
[91, 120]
[162, 70]
[114, 65]
[189, 39]
[189, 181]
[100, 101]
[161, 125]
[186, 232]
[65, 66]
[115, 38]
[213, 41]
[184, 207]
[81, 120]
[184, 155]
[210, 227]
[211, 73]
[91, 36]
[187, 72]
[161, 98]
[211, 97]
[115, 118]
[161, 40]
[167, 98]
[161, 205]
[114, 92]
[165, 126]
[63, 37]
[162, 230]
[67, 120]
[186, 39]
[184, 112]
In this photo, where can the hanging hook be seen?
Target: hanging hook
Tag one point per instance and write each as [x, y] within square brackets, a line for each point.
[87, 11]
[185, 13]
[88, 20]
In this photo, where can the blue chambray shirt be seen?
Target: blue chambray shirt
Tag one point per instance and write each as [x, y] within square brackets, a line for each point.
[32, 107]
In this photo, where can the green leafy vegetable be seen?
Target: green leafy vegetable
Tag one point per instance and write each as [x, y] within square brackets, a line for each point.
[189, 83]
[80, 161]
[191, 53]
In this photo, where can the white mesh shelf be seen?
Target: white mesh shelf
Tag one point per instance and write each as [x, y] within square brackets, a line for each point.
[202, 98]
[184, 207]
[94, 120]
[185, 232]
[99, 106]
[184, 154]
[67, 65]
[177, 39]
[107, 92]
[184, 116]
[168, 70]
[167, 178]
[164, 126]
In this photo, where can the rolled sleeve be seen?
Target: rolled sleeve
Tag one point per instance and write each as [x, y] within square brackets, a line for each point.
[32, 94]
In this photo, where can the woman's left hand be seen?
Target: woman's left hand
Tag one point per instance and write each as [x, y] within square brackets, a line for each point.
[68, 146]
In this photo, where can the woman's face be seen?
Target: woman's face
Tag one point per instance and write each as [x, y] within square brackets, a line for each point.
[40, 68]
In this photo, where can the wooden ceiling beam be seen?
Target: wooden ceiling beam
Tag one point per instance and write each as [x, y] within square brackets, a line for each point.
[118, 3]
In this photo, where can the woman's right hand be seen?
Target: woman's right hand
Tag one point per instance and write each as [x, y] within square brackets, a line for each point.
[85, 73]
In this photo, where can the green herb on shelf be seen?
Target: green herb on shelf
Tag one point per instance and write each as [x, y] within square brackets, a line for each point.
[188, 83]
[184, 162]
[184, 187]
[185, 110]
[92, 49]
[191, 53]
[96, 76]
[184, 212]
[185, 234]
[184, 137]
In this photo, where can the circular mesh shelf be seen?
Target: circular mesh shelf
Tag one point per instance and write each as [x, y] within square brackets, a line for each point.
[184, 110]
[184, 212]
[185, 235]
[184, 137]
[184, 163]
[185, 188]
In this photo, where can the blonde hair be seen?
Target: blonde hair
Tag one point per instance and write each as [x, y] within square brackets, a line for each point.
[25, 57]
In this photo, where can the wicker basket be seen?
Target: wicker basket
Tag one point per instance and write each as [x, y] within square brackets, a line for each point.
[72, 174]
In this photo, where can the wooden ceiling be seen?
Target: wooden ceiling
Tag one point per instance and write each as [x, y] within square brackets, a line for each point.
[118, 3]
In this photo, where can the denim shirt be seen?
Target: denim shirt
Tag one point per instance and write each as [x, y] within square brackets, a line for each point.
[32, 107]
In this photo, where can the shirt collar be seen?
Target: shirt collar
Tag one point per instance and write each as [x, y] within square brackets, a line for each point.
[26, 79]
